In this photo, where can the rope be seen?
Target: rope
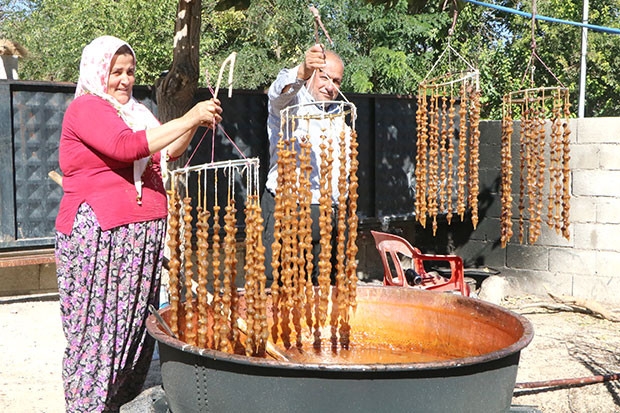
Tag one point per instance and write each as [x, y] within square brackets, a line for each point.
[530, 65]
[230, 59]
[448, 48]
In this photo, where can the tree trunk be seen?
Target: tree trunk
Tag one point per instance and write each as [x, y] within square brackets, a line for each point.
[175, 92]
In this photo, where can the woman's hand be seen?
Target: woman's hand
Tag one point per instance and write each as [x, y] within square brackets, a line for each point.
[176, 134]
[206, 113]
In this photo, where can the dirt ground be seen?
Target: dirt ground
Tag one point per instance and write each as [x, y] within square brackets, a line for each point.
[567, 346]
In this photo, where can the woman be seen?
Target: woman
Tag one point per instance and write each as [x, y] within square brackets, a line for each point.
[111, 226]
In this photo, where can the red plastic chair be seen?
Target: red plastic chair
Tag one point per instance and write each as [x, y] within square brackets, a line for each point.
[393, 248]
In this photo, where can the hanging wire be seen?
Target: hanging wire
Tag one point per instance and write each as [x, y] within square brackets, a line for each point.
[530, 68]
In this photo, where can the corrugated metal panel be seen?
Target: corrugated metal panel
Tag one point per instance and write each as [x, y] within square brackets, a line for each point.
[37, 122]
[395, 140]
[7, 204]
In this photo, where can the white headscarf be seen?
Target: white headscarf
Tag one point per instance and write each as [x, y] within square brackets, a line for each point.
[94, 73]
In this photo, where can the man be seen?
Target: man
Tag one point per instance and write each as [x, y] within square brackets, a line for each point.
[316, 80]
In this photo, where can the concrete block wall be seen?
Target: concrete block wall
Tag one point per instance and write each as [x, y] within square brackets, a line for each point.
[585, 265]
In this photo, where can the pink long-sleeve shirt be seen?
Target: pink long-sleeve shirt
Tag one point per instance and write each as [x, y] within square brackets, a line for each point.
[96, 155]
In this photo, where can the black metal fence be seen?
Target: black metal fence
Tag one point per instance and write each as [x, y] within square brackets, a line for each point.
[30, 122]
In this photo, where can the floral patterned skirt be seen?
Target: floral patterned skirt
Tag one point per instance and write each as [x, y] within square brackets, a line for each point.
[106, 280]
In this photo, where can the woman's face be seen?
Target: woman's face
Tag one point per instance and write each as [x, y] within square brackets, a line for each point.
[122, 77]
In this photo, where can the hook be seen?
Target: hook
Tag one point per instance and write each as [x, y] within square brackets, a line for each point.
[230, 59]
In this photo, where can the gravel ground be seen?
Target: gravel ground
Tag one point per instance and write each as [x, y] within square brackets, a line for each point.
[566, 346]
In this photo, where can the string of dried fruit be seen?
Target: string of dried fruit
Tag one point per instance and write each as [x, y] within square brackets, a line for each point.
[202, 244]
[533, 173]
[305, 228]
[325, 227]
[442, 157]
[338, 306]
[353, 220]
[523, 157]
[202, 263]
[256, 315]
[261, 326]
[461, 181]
[251, 285]
[506, 176]
[297, 265]
[288, 258]
[421, 157]
[190, 328]
[348, 301]
[174, 243]
[474, 154]
[255, 297]
[228, 333]
[289, 230]
[539, 124]
[433, 160]
[218, 319]
[277, 234]
[530, 165]
[328, 244]
[566, 169]
[450, 160]
[555, 166]
[530, 169]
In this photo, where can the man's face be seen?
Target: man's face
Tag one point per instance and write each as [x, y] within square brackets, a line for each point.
[324, 85]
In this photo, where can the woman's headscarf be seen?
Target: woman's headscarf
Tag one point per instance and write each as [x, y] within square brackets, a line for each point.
[94, 73]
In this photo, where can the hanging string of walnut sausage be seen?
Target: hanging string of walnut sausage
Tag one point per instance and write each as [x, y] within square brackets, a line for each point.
[209, 320]
[441, 188]
[544, 156]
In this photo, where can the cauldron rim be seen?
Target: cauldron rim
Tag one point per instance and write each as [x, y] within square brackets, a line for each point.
[159, 335]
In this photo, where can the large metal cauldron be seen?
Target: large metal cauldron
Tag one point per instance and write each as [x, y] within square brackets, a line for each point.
[472, 348]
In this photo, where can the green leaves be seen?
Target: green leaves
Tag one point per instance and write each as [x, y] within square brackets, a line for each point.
[56, 31]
